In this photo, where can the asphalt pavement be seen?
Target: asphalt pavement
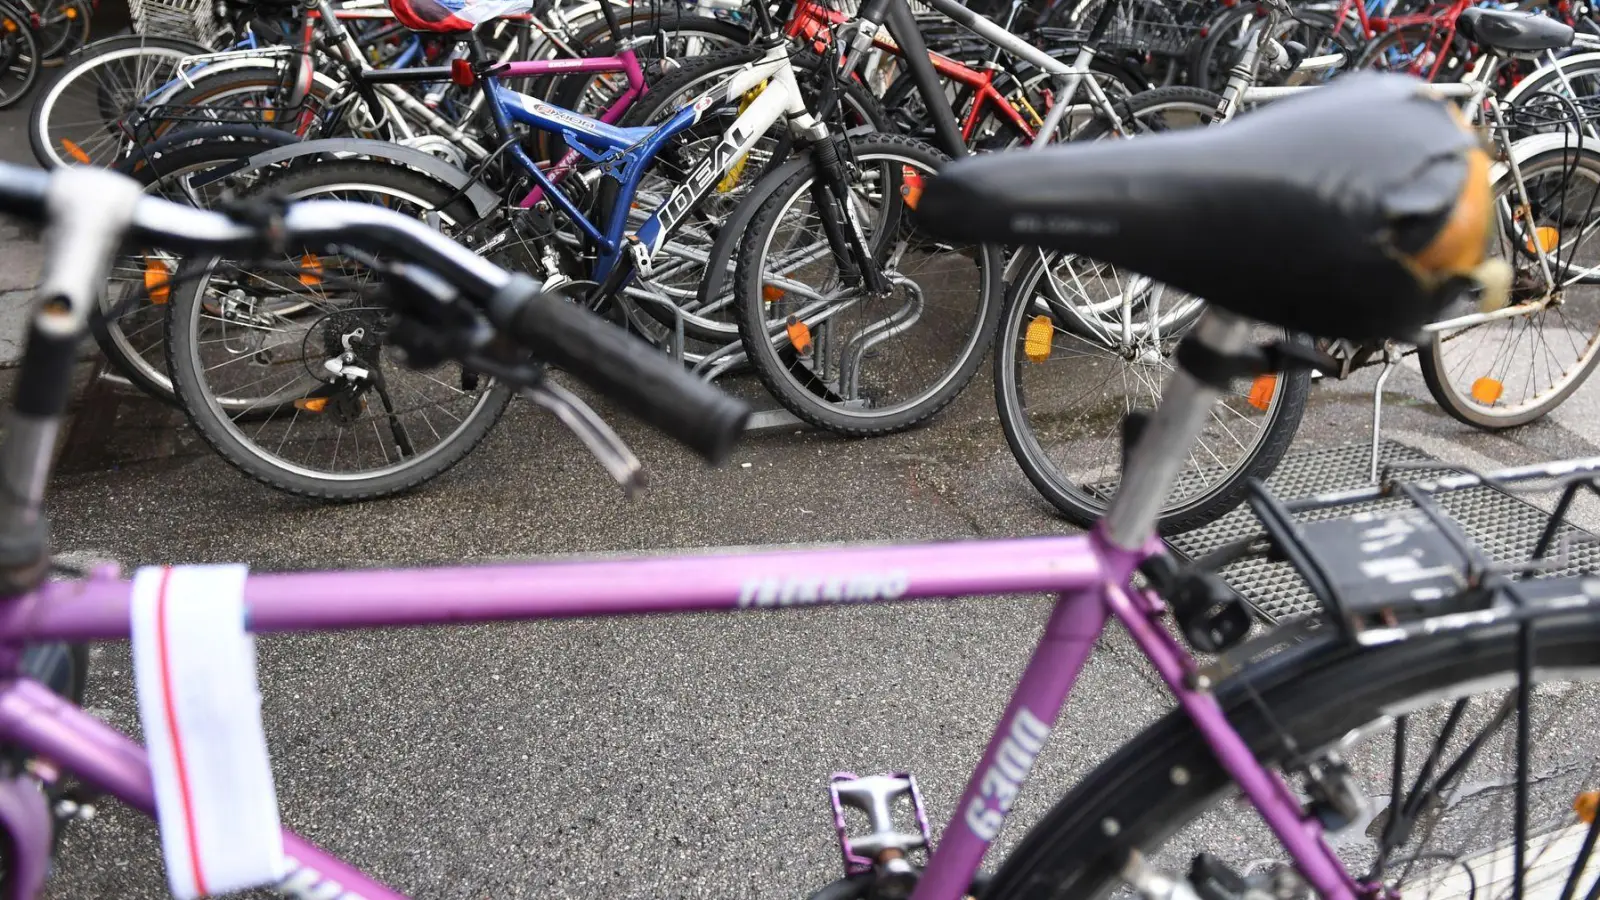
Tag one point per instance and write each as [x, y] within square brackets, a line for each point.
[680, 756]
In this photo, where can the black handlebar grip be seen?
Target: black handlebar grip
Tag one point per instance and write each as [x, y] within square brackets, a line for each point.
[646, 381]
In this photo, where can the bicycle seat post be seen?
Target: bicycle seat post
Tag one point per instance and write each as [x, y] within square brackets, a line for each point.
[89, 210]
[1163, 445]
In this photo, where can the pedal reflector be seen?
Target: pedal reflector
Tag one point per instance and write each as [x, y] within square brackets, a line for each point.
[799, 335]
[1036, 343]
[157, 280]
[310, 270]
[1262, 391]
[71, 146]
[1487, 390]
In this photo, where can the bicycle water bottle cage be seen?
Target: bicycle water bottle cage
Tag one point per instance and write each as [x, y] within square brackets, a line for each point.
[1361, 205]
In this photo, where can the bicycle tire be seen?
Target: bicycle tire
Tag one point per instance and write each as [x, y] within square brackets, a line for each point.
[214, 89]
[64, 27]
[783, 380]
[19, 54]
[648, 110]
[1436, 371]
[216, 427]
[1074, 501]
[1318, 691]
[101, 54]
[179, 154]
[1203, 104]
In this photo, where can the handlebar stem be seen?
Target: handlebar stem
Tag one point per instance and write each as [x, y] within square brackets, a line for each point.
[89, 211]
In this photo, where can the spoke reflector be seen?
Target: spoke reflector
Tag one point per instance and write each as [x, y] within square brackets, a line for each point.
[799, 335]
[72, 148]
[1036, 343]
[1586, 805]
[771, 293]
[1487, 390]
[1548, 236]
[312, 404]
[71, 12]
[157, 280]
[311, 267]
[1262, 389]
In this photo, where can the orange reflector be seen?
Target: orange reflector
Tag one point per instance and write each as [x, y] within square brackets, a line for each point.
[799, 335]
[1586, 805]
[1262, 389]
[1487, 390]
[1041, 334]
[910, 186]
[11, 25]
[74, 151]
[771, 293]
[1548, 237]
[311, 404]
[71, 12]
[157, 278]
[310, 265]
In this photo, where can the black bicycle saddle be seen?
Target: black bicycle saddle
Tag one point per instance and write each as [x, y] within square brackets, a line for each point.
[1513, 32]
[1347, 212]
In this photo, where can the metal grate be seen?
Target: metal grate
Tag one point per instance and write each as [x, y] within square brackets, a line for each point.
[1504, 526]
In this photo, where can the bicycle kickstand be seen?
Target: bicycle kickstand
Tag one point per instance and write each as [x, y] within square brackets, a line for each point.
[1389, 361]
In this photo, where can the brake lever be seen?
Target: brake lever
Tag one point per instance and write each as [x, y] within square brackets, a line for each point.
[597, 436]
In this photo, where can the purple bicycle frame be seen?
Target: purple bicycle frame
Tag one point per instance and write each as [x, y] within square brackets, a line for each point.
[1086, 572]
[626, 62]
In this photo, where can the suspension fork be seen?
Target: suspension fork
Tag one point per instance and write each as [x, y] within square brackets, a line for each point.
[830, 189]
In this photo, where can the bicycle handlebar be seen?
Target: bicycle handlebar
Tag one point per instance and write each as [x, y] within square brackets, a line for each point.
[619, 365]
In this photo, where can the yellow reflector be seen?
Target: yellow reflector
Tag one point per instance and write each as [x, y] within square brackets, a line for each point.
[1586, 805]
[312, 404]
[799, 336]
[267, 115]
[74, 151]
[910, 186]
[1036, 344]
[310, 266]
[1548, 237]
[157, 281]
[1262, 389]
[771, 293]
[1487, 390]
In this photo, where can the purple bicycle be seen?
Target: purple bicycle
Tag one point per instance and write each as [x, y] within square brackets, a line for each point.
[1456, 679]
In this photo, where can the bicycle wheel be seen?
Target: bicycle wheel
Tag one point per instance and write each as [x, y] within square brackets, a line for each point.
[1063, 387]
[680, 266]
[132, 326]
[74, 122]
[1510, 371]
[63, 27]
[290, 377]
[1385, 711]
[1161, 109]
[664, 44]
[841, 358]
[254, 95]
[19, 55]
[1411, 50]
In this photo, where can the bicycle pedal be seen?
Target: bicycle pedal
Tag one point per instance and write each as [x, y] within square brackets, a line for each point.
[876, 796]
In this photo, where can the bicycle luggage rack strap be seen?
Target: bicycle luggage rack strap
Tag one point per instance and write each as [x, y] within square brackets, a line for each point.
[1502, 528]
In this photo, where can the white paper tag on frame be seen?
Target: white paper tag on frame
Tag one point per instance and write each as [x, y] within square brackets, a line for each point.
[194, 667]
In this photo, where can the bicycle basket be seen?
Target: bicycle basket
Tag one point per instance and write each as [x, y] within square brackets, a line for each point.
[193, 20]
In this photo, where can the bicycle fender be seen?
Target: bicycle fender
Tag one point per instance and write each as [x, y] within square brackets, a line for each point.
[483, 200]
[1515, 95]
[1532, 146]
